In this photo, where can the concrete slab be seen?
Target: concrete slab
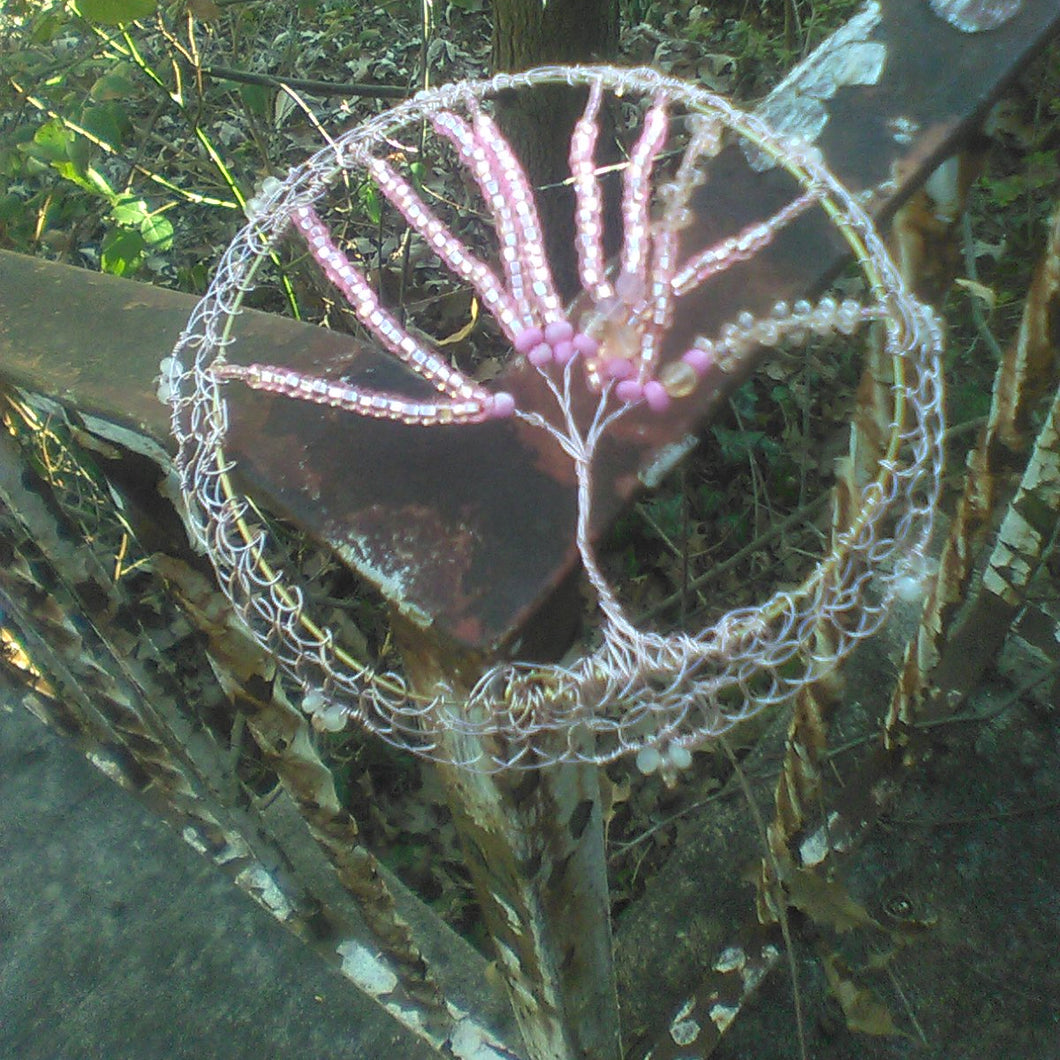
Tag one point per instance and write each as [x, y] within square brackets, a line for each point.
[119, 941]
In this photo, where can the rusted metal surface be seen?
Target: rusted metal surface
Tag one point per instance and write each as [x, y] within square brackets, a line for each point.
[94, 342]
[469, 530]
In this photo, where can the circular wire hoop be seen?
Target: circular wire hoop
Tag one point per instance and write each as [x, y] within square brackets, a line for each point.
[639, 689]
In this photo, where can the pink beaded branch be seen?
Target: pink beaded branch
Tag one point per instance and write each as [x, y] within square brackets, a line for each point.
[625, 311]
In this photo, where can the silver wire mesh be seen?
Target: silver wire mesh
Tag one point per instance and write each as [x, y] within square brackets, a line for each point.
[638, 689]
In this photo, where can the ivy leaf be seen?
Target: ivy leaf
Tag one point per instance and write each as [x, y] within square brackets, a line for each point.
[90, 179]
[157, 232]
[115, 12]
[256, 97]
[129, 211]
[116, 83]
[134, 213]
[108, 122]
[51, 143]
[122, 251]
[735, 445]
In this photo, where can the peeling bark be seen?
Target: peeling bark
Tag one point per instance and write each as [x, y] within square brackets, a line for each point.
[965, 620]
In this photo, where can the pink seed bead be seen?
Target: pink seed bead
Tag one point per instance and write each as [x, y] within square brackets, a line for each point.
[586, 345]
[617, 368]
[629, 390]
[698, 360]
[540, 355]
[502, 405]
[655, 395]
[558, 331]
[527, 339]
[563, 352]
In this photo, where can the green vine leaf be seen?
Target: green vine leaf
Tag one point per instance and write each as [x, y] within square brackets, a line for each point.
[122, 251]
[115, 12]
[157, 232]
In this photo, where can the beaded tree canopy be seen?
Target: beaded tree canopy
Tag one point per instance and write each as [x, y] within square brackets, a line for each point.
[600, 357]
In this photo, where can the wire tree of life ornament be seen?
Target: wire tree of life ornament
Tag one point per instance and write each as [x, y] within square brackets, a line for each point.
[600, 357]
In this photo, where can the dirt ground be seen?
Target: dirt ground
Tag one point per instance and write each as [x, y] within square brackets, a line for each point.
[963, 877]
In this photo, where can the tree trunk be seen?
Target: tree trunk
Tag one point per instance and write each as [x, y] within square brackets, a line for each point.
[528, 33]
